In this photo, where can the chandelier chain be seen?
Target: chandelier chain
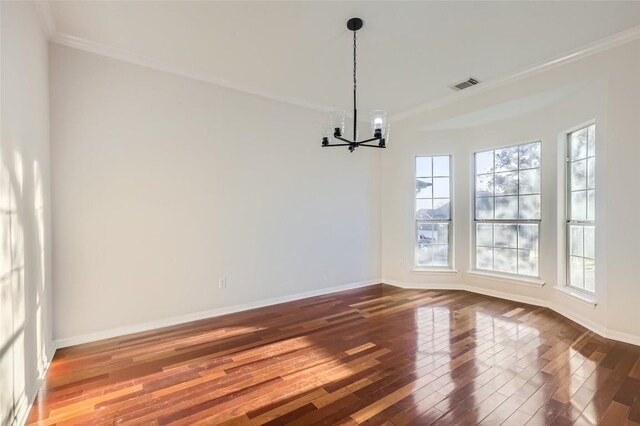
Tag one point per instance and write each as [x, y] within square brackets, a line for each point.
[354, 62]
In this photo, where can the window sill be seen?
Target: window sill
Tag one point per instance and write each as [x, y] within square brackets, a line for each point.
[581, 296]
[443, 271]
[529, 282]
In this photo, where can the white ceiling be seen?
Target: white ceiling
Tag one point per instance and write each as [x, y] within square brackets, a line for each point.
[409, 52]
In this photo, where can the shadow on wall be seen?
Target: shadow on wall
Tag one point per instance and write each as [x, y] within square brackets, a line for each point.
[22, 285]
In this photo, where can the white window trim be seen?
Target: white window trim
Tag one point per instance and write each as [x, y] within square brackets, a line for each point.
[535, 281]
[434, 271]
[508, 278]
[441, 270]
[580, 295]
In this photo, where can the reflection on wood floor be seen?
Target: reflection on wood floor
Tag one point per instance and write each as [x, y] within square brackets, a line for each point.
[376, 355]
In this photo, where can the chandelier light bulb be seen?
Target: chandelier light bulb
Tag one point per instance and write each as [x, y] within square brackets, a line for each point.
[336, 121]
[378, 122]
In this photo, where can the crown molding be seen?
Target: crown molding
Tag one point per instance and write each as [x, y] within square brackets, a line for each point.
[601, 45]
[195, 74]
[43, 9]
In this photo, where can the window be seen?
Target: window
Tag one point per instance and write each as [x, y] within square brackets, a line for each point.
[507, 209]
[581, 224]
[433, 212]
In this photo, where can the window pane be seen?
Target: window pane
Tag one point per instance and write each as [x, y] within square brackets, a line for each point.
[530, 155]
[515, 247]
[582, 254]
[432, 248]
[576, 240]
[505, 260]
[441, 187]
[529, 181]
[506, 159]
[505, 235]
[424, 188]
[591, 141]
[506, 183]
[442, 233]
[591, 205]
[484, 162]
[590, 242]
[426, 233]
[528, 236]
[579, 144]
[433, 233]
[484, 234]
[441, 208]
[441, 166]
[579, 175]
[528, 262]
[576, 271]
[590, 275]
[579, 205]
[424, 255]
[440, 255]
[484, 208]
[423, 167]
[484, 258]
[506, 207]
[484, 185]
[591, 173]
[424, 209]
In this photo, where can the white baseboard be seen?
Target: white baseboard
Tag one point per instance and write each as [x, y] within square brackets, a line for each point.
[624, 337]
[26, 402]
[420, 286]
[585, 322]
[136, 328]
[151, 325]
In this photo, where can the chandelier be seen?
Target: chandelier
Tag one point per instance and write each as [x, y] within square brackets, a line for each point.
[379, 126]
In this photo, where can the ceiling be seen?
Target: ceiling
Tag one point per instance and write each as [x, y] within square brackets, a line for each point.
[409, 53]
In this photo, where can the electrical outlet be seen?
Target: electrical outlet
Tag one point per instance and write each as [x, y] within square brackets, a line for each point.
[222, 282]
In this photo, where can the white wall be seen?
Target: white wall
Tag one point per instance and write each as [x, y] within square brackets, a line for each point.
[164, 184]
[25, 263]
[539, 107]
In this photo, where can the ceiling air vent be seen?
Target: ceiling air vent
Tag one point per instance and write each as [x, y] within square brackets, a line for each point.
[465, 84]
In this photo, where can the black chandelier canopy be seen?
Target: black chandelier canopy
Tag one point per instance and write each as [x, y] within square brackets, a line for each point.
[379, 126]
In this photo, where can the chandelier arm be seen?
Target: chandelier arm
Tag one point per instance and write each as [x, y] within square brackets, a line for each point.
[343, 139]
[337, 144]
[371, 146]
[370, 140]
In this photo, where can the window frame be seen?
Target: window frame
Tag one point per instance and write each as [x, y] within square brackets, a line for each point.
[417, 221]
[517, 221]
[568, 222]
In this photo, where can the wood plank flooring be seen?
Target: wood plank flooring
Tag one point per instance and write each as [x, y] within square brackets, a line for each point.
[376, 355]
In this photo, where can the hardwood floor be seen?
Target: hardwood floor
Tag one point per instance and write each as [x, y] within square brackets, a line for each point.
[376, 355]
